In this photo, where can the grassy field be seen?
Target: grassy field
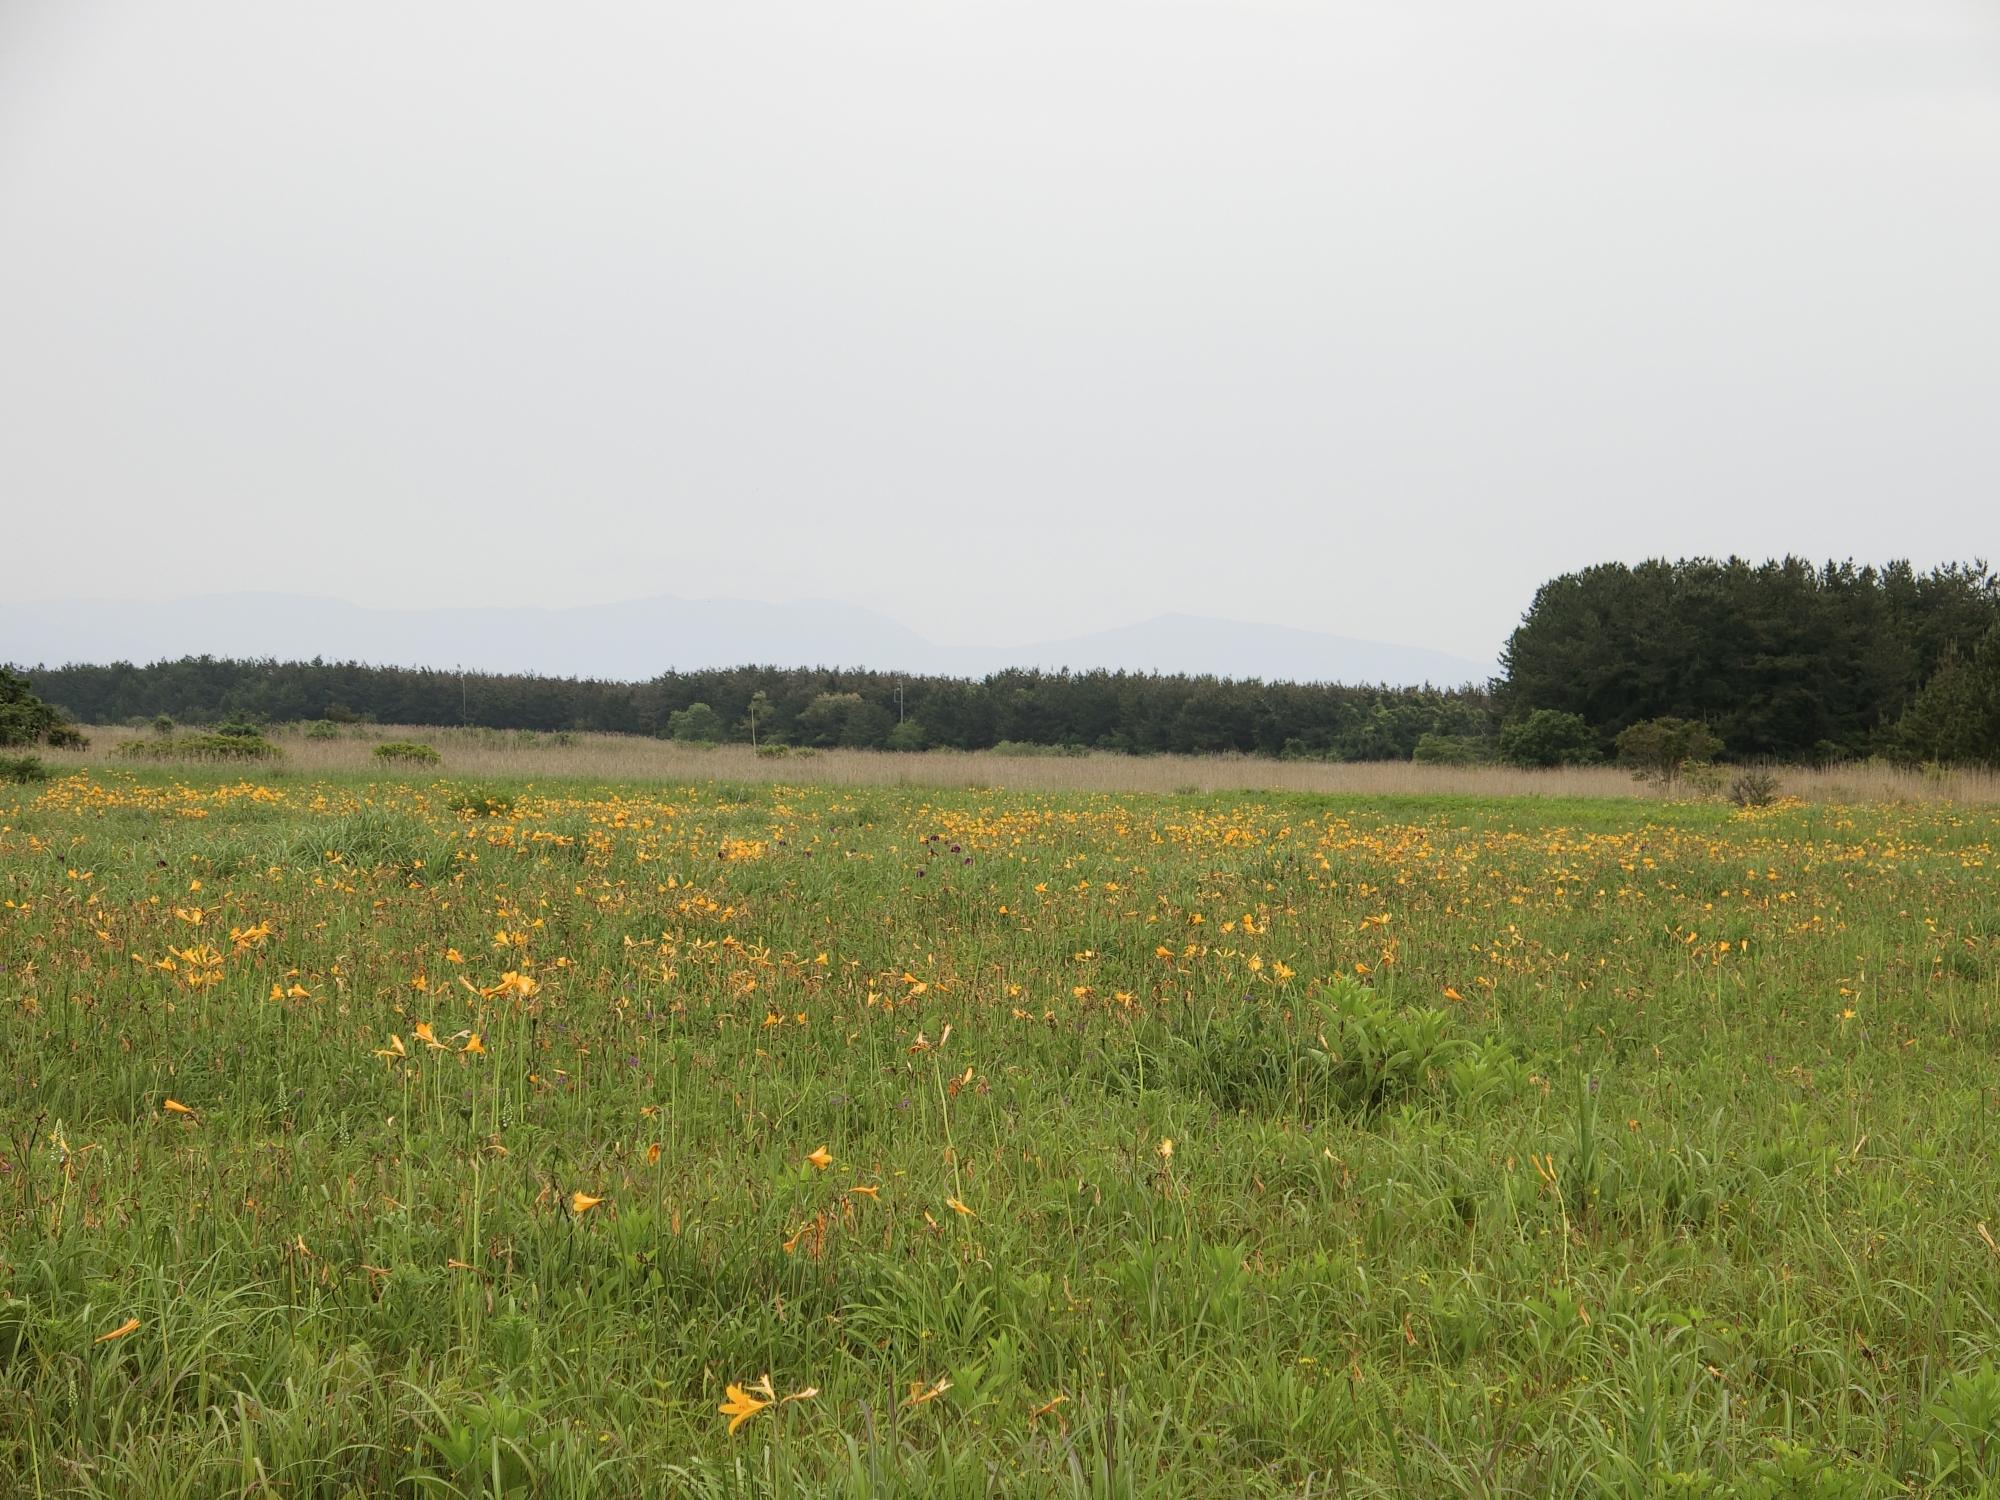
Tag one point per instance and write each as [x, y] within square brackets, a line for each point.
[375, 1136]
[517, 754]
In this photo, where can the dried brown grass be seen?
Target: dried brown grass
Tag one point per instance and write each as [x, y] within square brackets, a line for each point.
[609, 757]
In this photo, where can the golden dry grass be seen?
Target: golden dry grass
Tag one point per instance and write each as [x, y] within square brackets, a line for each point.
[613, 757]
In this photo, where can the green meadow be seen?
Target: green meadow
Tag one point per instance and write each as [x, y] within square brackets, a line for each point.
[398, 1135]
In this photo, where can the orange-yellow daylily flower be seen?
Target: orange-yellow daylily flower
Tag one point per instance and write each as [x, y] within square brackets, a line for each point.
[822, 1158]
[130, 1325]
[581, 1202]
[742, 1405]
[175, 1107]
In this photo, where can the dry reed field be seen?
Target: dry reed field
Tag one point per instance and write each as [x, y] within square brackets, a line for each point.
[611, 757]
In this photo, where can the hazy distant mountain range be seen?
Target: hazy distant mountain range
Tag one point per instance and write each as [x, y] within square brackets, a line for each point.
[640, 638]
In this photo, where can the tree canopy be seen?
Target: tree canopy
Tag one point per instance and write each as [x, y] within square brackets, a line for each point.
[1127, 711]
[1781, 660]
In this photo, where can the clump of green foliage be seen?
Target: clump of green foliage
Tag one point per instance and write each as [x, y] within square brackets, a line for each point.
[1549, 737]
[845, 720]
[406, 753]
[697, 724]
[26, 720]
[1663, 750]
[19, 768]
[1754, 788]
[1343, 1050]
[202, 747]
[1452, 750]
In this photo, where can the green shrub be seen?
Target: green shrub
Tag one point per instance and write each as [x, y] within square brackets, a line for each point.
[1754, 789]
[17, 768]
[163, 724]
[697, 724]
[1450, 750]
[908, 735]
[1027, 749]
[406, 753]
[24, 718]
[322, 729]
[1549, 737]
[201, 747]
[68, 737]
[1662, 749]
[240, 729]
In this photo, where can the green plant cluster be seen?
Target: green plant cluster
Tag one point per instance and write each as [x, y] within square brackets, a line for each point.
[201, 747]
[15, 769]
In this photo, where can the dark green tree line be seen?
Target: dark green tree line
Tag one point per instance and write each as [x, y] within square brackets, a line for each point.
[1784, 660]
[1139, 713]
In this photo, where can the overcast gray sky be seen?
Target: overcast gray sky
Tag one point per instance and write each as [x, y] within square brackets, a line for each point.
[1013, 320]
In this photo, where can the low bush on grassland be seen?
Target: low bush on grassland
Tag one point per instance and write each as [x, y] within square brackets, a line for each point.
[14, 768]
[246, 747]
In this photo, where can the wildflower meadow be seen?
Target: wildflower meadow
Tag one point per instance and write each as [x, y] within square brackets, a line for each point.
[381, 1132]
